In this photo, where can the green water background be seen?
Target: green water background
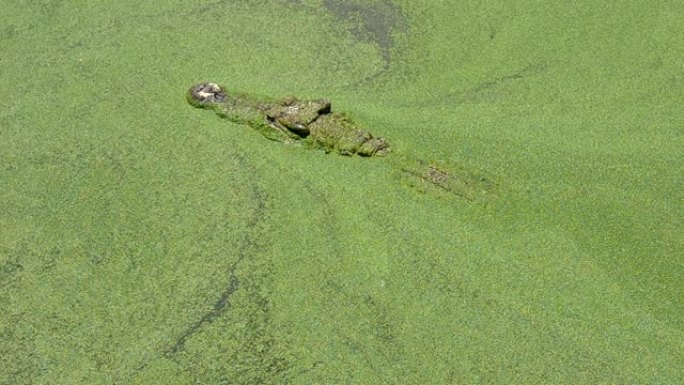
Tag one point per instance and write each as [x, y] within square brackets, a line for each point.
[144, 241]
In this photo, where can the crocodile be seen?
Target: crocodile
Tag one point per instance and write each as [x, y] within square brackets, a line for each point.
[290, 119]
[313, 122]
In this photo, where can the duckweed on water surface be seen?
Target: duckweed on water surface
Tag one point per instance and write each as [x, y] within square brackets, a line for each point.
[524, 229]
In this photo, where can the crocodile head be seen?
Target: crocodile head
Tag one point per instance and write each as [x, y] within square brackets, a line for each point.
[207, 93]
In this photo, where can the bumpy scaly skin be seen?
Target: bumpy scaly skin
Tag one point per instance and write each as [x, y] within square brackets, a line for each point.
[290, 119]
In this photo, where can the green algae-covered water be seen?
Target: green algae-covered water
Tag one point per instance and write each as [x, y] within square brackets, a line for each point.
[143, 241]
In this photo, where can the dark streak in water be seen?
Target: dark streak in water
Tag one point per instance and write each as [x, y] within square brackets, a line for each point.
[372, 22]
[377, 23]
[246, 248]
[232, 282]
[481, 90]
